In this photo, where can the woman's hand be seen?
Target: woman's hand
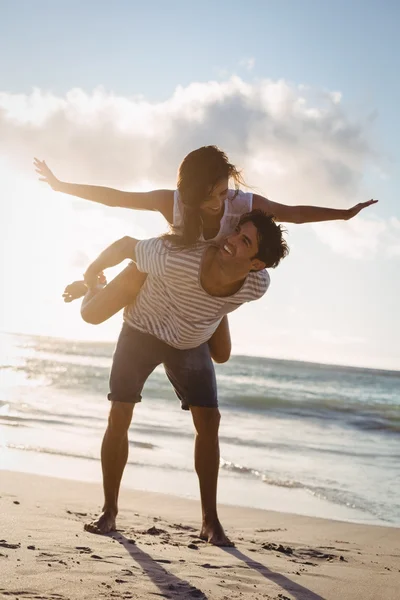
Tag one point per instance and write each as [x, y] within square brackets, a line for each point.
[354, 210]
[46, 174]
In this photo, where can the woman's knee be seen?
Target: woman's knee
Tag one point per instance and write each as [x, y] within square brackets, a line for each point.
[220, 355]
[89, 315]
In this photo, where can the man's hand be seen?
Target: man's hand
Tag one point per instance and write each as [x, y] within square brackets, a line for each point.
[352, 212]
[46, 174]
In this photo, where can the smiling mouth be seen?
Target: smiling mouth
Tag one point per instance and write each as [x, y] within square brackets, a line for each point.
[227, 249]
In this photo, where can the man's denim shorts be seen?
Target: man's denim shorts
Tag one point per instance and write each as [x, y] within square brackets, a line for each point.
[137, 354]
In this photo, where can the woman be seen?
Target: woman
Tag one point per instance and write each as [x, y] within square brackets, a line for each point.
[202, 204]
[203, 207]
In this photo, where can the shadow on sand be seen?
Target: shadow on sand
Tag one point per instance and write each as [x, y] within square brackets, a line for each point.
[169, 585]
[172, 586]
[296, 590]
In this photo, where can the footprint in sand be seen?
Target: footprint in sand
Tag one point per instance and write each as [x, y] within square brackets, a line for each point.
[317, 554]
[31, 595]
[155, 531]
[183, 527]
[208, 566]
[76, 514]
[5, 544]
[83, 549]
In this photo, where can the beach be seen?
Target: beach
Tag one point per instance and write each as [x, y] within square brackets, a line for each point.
[46, 554]
[308, 487]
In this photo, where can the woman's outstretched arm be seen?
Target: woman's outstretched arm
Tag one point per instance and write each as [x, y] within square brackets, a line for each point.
[307, 214]
[157, 200]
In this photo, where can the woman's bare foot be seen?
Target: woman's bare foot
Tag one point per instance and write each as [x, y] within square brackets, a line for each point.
[75, 290]
[103, 524]
[213, 533]
[78, 289]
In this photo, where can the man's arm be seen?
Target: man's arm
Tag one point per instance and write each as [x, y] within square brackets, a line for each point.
[110, 257]
[158, 200]
[307, 214]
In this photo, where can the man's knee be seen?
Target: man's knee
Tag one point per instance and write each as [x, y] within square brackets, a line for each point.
[206, 421]
[120, 417]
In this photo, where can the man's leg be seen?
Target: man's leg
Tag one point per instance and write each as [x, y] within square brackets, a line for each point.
[135, 357]
[114, 456]
[192, 374]
[206, 459]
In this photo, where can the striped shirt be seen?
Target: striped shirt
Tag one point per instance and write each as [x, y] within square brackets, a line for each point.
[172, 304]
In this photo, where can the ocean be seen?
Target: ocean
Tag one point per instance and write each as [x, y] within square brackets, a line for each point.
[297, 437]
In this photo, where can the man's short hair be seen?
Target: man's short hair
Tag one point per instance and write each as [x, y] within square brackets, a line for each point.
[272, 247]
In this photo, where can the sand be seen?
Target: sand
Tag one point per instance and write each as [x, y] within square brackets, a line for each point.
[45, 553]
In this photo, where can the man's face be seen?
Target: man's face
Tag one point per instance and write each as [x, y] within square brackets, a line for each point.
[213, 204]
[238, 250]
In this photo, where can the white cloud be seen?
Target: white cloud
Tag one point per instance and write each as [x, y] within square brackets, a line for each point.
[295, 145]
[362, 237]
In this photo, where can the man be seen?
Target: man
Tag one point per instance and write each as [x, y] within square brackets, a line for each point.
[186, 294]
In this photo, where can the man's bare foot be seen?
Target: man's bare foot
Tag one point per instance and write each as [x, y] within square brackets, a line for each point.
[103, 524]
[213, 533]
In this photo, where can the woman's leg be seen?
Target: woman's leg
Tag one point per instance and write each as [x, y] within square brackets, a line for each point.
[220, 342]
[100, 305]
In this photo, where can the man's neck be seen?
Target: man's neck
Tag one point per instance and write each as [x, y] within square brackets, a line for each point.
[216, 281]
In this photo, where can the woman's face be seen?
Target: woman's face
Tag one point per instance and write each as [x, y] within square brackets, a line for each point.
[213, 204]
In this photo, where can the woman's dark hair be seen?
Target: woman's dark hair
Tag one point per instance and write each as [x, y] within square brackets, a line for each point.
[272, 246]
[198, 174]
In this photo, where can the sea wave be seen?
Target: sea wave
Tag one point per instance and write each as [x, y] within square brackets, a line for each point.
[362, 399]
[269, 480]
[361, 415]
[80, 455]
[331, 493]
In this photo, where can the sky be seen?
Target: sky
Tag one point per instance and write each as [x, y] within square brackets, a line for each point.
[302, 95]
